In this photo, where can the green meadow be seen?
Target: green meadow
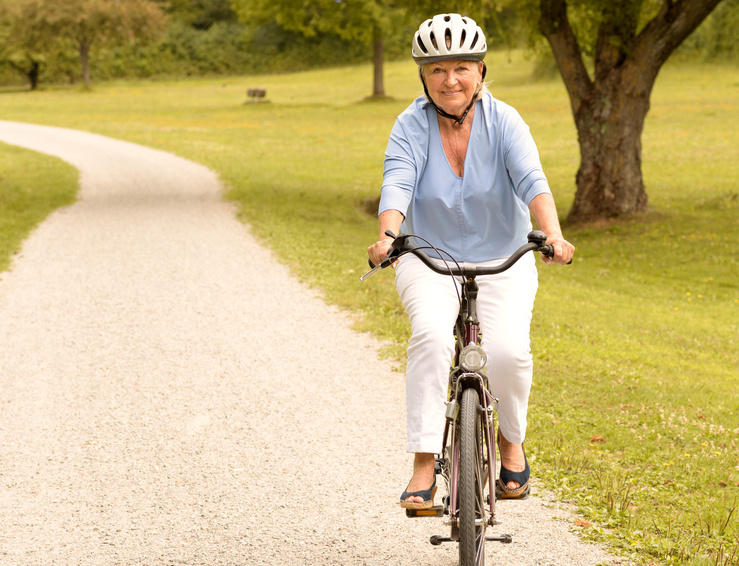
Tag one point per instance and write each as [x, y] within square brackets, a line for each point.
[634, 413]
[32, 185]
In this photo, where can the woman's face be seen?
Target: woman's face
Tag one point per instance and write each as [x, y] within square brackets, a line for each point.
[452, 84]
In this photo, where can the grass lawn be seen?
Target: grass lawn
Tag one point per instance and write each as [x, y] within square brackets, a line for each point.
[32, 185]
[635, 408]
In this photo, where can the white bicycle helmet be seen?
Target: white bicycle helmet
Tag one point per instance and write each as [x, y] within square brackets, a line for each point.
[448, 37]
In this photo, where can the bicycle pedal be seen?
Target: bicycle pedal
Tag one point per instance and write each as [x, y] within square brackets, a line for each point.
[436, 511]
[505, 539]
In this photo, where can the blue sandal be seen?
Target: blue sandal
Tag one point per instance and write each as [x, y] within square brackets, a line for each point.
[427, 495]
[502, 491]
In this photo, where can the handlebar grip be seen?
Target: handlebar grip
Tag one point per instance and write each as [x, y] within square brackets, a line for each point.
[548, 251]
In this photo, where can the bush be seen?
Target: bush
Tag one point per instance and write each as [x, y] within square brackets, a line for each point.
[226, 48]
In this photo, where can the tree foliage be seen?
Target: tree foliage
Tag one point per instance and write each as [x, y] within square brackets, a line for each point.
[366, 21]
[26, 42]
[363, 21]
[97, 23]
[38, 27]
[201, 14]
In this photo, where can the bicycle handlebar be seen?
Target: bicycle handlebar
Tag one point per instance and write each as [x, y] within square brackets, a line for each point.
[402, 246]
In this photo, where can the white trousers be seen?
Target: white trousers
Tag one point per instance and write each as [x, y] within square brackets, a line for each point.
[504, 307]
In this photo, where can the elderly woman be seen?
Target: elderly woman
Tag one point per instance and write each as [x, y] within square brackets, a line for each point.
[462, 170]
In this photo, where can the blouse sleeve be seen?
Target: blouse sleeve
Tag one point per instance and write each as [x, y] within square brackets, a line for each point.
[522, 159]
[405, 158]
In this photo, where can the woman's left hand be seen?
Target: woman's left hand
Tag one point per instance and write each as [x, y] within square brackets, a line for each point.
[563, 251]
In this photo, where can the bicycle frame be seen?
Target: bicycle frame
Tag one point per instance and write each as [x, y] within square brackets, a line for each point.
[467, 331]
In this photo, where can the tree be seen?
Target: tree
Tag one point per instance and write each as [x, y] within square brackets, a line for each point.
[97, 23]
[25, 43]
[366, 21]
[360, 20]
[629, 42]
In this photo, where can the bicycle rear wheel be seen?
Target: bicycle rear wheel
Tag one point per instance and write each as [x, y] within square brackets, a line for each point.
[471, 482]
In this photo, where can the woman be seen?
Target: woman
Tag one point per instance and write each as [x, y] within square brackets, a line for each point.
[462, 170]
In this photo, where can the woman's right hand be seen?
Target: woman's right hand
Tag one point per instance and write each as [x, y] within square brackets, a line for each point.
[379, 250]
[389, 220]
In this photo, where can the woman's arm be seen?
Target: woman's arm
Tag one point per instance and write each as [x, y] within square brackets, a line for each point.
[389, 220]
[545, 214]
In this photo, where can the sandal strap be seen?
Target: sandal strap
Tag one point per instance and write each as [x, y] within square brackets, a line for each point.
[520, 477]
[424, 494]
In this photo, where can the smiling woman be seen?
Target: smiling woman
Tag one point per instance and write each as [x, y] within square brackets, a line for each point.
[462, 171]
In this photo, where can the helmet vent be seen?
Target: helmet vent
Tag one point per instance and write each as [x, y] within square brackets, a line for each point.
[448, 38]
[464, 36]
[474, 40]
[421, 46]
[433, 40]
[447, 18]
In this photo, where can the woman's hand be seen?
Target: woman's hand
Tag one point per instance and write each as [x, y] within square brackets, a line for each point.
[389, 220]
[545, 214]
[379, 250]
[563, 251]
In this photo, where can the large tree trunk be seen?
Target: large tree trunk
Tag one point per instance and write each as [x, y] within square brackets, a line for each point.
[378, 58]
[610, 107]
[609, 126]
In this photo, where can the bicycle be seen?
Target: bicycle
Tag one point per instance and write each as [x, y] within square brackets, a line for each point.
[467, 462]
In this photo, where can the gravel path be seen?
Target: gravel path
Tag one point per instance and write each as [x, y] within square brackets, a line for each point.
[168, 394]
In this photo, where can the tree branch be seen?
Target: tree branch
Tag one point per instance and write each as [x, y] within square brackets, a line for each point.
[555, 26]
[676, 20]
[615, 36]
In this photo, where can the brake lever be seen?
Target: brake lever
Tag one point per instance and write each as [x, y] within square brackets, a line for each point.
[370, 272]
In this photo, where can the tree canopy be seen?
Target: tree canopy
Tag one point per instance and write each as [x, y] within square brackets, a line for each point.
[35, 27]
[26, 42]
[366, 21]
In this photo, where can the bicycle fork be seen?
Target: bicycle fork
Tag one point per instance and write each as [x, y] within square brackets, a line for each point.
[447, 465]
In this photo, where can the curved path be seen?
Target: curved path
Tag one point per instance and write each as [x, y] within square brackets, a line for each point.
[167, 394]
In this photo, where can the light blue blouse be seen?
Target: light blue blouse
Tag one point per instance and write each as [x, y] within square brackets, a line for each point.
[481, 216]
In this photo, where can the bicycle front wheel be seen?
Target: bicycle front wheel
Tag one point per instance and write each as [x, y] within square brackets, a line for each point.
[471, 482]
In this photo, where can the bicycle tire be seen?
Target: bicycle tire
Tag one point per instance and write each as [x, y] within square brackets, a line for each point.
[471, 482]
